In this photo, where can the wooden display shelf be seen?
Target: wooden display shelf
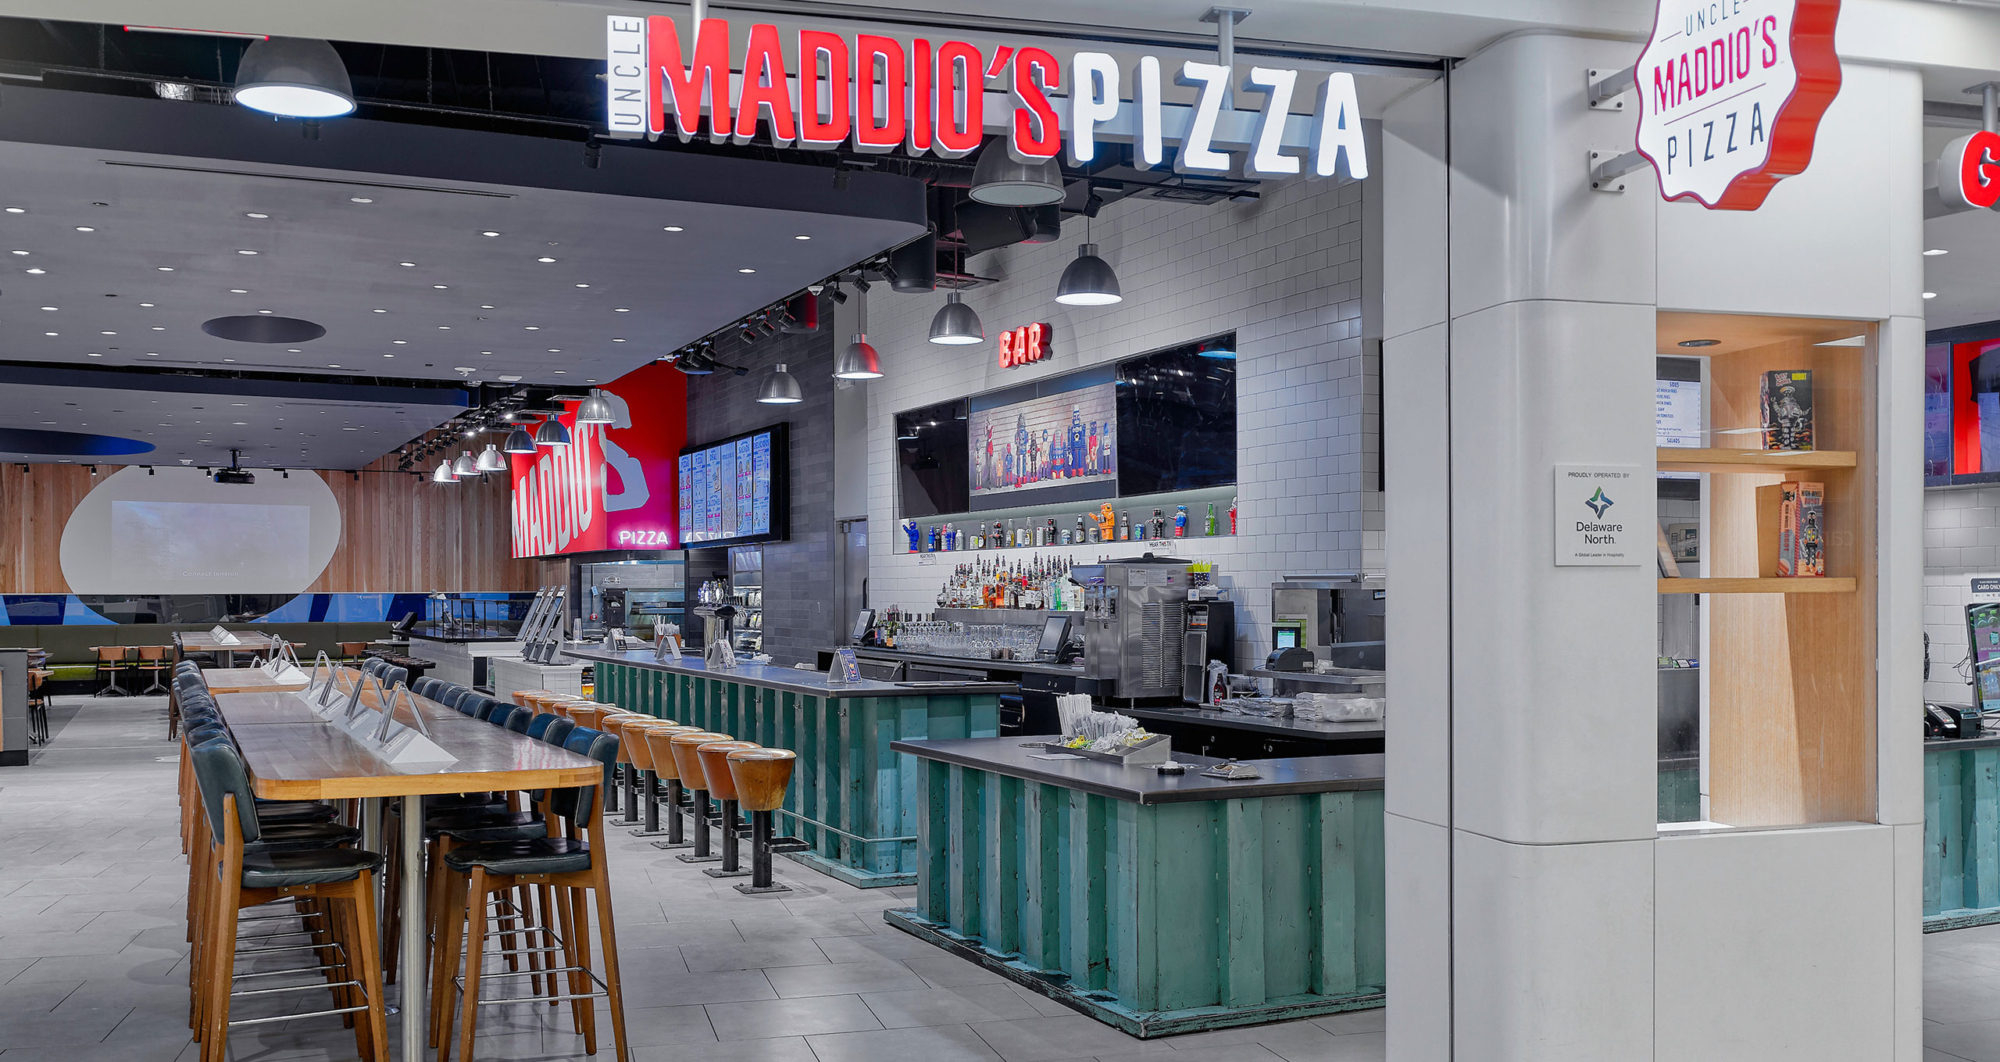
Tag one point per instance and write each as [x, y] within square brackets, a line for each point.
[1707, 459]
[1818, 584]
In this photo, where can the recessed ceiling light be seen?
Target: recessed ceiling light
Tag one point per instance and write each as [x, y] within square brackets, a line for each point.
[15, 210]
[20, 252]
[359, 199]
[388, 355]
[486, 352]
[165, 269]
[48, 333]
[333, 366]
[154, 354]
[159, 328]
[407, 265]
[378, 311]
[350, 429]
[621, 309]
[238, 291]
[245, 251]
[85, 228]
[555, 350]
[802, 236]
[107, 333]
[562, 372]
[231, 361]
[444, 328]
[489, 232]
[440, 287]
[263, 311]
[545, 259]
[254, 214]
[37, 272]
[746, 269]
[292, 350]
[239, 423]
[93, 354]
[1931, 252]
[616, 340]
[485, 306]
[532, 328]
[1930, 294]
[147, 305]
[583, 285]
[400, 342]
[51, 309]
[673, 228]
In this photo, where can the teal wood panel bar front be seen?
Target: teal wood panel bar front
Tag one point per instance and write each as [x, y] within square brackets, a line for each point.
[1961, 834]
[854, 801]
[1156, 912]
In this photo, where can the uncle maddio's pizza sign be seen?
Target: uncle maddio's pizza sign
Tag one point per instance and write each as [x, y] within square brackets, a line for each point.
[1731, 93]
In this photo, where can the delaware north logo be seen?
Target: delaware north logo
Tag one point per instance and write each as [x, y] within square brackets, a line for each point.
[1598, 503]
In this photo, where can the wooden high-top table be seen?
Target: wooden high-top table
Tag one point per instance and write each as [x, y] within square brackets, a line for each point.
[292, 754]
[223, 680]
[225, 652]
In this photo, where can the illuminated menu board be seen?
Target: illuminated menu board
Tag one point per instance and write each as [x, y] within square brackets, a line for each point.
[735, 491]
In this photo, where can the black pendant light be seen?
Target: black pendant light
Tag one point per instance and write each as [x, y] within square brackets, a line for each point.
[1090, 280]
[552, 434]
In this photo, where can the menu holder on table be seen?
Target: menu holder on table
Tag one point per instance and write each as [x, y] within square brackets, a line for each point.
[283, 667]
[222, 634]
[845, 670]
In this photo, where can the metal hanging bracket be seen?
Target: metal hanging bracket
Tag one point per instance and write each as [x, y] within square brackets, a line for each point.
[1608, 169]
[1604, 89]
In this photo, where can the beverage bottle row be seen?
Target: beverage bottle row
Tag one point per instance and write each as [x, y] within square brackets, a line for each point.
[1088, 528]
[1038, 582]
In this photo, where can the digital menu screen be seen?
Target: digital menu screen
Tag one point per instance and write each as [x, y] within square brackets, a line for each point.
[735, 491]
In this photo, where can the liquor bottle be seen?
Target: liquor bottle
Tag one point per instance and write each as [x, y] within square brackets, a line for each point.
[1079, 529]
[1208, 525]
[950, 538]
[1125, 526]
[1159, 528]
[1232, 514]
[1180, 521]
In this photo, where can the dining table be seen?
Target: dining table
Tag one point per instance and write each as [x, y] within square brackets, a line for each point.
[292, 753]
[223, 680]
[253, 642]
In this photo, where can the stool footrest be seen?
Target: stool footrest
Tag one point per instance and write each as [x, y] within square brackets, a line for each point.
[788, 844]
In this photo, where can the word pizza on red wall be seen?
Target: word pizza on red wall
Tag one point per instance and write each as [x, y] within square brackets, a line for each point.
[613, 486]
[1731, 93]
[1025, 345]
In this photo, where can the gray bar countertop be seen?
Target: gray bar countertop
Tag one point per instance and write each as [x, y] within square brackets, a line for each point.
[770, 676]
[1143, 785]
[1311, 729]
[969, 663]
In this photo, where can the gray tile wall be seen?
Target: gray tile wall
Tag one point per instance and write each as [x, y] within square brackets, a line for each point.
[1961, 539]
[798, 573]
[1284, 272]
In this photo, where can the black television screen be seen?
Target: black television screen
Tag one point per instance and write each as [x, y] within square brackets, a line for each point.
[930, 459]
[1158, 422]
[736, 490]
[1177, 418]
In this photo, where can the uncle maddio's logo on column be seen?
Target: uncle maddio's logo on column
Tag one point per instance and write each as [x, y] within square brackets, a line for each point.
[1731, 93]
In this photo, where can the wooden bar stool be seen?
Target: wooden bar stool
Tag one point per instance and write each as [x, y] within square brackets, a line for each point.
[688, 763]
[620, 798]
[653, 763]
[587, 713]
[521, 699]
[111, 659]
[659, 738]
[761, 777]
[714, 760]
[351, 652]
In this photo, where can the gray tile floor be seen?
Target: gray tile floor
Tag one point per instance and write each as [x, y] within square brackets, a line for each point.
[93, 960]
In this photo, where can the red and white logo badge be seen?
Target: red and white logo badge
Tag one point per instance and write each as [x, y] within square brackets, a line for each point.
[1731, 93]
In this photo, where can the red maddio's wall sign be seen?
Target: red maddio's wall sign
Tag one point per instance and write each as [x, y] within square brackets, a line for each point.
[613, 486]
[1731, 93]
[1025, 345]
[1968, 172]
[876, 94]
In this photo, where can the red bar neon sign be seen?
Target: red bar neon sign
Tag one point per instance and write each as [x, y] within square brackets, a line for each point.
[1026, 344]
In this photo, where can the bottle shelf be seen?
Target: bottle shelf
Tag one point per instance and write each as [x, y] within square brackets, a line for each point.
[1821, 584]
[1706, 459]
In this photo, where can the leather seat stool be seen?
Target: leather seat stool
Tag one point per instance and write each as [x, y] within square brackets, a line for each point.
[761, 777]
[714, 760]
[687, 763]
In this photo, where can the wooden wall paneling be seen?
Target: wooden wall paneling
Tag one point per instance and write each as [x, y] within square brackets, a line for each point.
[1791, 676]
[399, 532]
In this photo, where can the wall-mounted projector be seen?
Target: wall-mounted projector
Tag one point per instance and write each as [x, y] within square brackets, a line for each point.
[234, 473]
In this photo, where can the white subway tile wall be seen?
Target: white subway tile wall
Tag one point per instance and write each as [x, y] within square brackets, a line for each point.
[1961, 539]
[1284, 273]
